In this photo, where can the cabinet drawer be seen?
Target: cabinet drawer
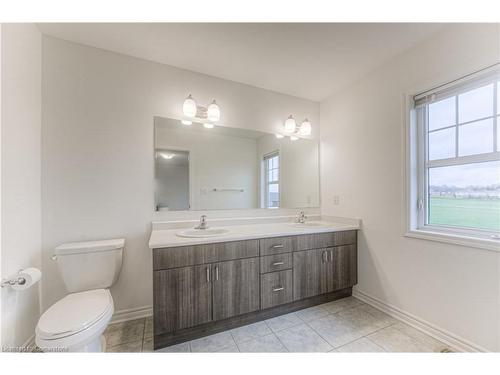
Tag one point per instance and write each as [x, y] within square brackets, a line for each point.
[276, 288]
[184, 256]
[323, 240]
[276, 262]
[276, 245]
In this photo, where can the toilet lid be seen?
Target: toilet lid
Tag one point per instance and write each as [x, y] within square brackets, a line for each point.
[74, 313]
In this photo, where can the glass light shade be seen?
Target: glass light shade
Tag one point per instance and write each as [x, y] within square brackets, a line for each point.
[294, 138]
[189, 107]
[290, 124]
[305, 128]
[279, 136]
[208, 125]
[213, 112]
[167, 156]
[186, 122]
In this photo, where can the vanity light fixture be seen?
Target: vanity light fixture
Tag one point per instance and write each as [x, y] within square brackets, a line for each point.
[290, 124]
[208, 125]
[213, 112]
[279, 136]
[305, 128]
[192, 110]
[291, 129]
[189, 108]
[186, 122]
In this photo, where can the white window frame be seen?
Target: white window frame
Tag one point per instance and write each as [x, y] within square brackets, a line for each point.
[267, 157]
[415, 166]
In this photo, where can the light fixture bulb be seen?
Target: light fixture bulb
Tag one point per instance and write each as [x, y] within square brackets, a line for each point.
[290, 124]
[213, 112]
[186, 122]
[208, 125]
[293, 138]
[279, 136]
[305, 128]
[189, 107]
[167, 156]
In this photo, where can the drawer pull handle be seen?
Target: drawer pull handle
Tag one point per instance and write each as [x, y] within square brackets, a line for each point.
[278, 289]
[280, 246]
[278, 263]
[324, 255]
[216, 273]
[208, 275]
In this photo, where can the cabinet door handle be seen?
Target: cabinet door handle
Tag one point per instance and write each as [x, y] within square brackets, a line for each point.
[208, 274]
[280, 246]
[324, 256]
[277, 289]
[331, 255]
[216, 273]
[278, 263]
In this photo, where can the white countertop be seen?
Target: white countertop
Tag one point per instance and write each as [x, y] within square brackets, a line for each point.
[161, 238]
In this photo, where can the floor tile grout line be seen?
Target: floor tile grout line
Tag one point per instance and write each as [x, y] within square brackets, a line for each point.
[374, 343]
[281, 342]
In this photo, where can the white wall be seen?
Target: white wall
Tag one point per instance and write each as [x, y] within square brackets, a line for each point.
[97, 150]
[20, 160]
[453, 287]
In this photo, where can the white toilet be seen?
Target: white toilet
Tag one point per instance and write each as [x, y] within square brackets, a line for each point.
[76, 322]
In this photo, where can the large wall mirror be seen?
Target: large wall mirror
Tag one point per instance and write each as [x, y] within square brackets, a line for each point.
[223, 168]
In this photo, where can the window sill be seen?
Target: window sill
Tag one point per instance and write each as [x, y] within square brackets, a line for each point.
[455, 239]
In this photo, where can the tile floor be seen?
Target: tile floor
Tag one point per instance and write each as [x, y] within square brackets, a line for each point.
[346, 325]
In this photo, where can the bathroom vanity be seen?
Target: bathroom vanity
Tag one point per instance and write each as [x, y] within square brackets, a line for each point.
[207, 285]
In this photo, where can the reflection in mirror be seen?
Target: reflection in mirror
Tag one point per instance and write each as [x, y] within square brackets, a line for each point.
[228, 168]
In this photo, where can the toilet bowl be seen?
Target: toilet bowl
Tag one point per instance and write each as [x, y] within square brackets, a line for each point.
[76, 322]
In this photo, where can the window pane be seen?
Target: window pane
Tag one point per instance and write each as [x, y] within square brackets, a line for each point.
[475, 138]
[498, 98]
[442, 144]
[442, 113]
[276, 162]
[465, 195]
[274, 196]
[498, 133]
[276, 175]
[475, 104]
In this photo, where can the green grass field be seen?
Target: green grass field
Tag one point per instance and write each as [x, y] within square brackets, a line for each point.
[473, 213]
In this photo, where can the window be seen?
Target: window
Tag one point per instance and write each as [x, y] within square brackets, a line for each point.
[455, 138]
[272, 184]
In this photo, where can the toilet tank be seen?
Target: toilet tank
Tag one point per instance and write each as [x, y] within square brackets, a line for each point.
[89, 265]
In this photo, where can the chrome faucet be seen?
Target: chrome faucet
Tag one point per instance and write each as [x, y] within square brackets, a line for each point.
[302, 217]
[203, 223]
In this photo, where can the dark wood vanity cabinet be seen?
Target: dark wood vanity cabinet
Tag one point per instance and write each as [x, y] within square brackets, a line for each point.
[325, 270]
[203, 289]
[235, 288]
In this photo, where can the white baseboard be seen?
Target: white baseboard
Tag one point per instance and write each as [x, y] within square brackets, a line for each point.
[131, 314]
[457, 343]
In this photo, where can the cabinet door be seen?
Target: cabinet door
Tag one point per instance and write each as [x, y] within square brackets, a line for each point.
[182, 298]
[310, 269]
[343, 267]
[235, 287]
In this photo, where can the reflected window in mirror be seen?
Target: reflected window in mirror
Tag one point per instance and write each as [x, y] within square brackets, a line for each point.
[272, 188]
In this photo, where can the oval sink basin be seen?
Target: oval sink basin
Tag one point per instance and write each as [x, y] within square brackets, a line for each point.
[310, 224]
[200, 233]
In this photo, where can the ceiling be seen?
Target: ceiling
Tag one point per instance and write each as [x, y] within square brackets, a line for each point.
[310, 61]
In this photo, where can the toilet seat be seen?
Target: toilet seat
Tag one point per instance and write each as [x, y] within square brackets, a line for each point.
[75, 319]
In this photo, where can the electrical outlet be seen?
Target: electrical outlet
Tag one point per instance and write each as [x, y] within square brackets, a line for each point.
[336, 200]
